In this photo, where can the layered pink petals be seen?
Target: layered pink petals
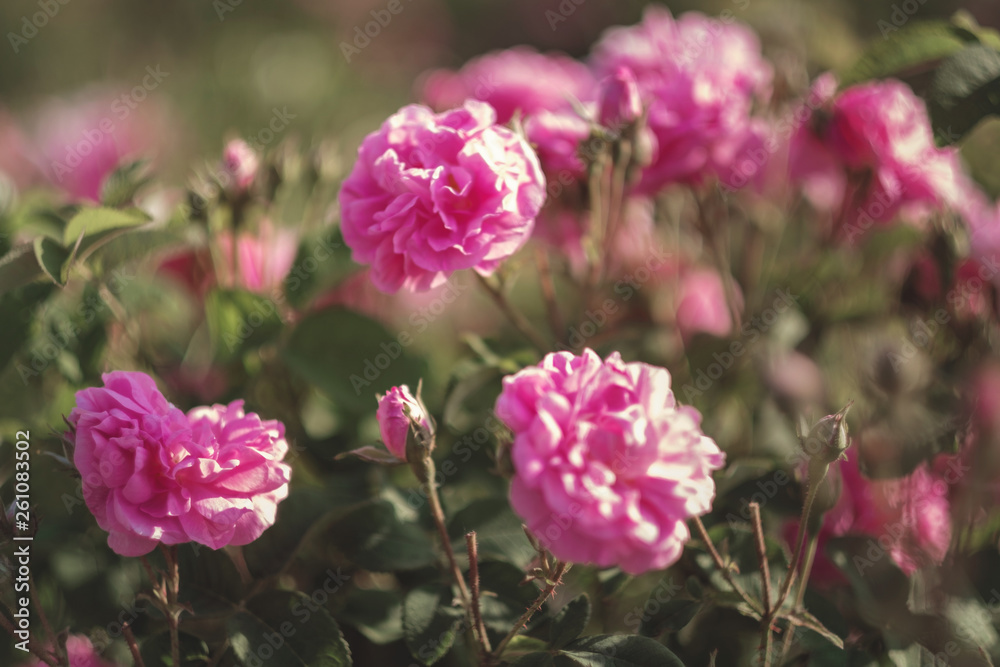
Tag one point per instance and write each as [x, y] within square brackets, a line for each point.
[700, 78]
[153, 474]
[608, 466]
[433, 194]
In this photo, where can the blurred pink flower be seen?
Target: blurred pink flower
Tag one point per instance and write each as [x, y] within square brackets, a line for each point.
[870, 156]
[82, 140]
[433, 194]
[153, 474]
[239, 162]
[81, 653]
[518, 79]
[396, 410]
[700, 78]
[702, 305]
[608, 466]
[907, 518]
[263, 258]
[556, 137]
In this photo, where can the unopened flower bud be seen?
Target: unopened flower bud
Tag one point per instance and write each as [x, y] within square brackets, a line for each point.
[240, 163]
[620, 104]
[403, 423]
[828, 440]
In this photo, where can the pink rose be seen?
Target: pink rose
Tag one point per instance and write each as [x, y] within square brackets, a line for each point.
[263, 258]
[153, 474]
[433, 194]
[872, 157]
[81, 653]
[556, 136]
[518, 79]
[398, 412]
[700, 78]
[701, 304]
[619, 104]
[608, 466]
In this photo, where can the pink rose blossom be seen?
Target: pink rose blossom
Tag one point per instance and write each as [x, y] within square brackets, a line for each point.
[263, 258]
[556, 136]
[608, 466]
[518, 79]
[240, 163]
[871, 156]
[433, 194]
[153, 474]
[700, 78]
[81, 653]
[702, 305]
[397, 410]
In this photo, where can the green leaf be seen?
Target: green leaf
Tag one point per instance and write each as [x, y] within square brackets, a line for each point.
[621, 651]
[670, 616]
[299, 512]
[240, 321]
[287, 629]
[508, 597]
[498, 530]
[965, 90]
[98, 225]
[155, 651]
[570, 622]
[538, 659]
[377, 614]
[52, 257]
[918, 43]
[121, 185]
[350, 357]
[430, 622]
[374, 539]
[19, 267]
[212, 585]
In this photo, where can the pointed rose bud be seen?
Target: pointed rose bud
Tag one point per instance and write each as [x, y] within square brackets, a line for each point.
[828, 440]
[403, 422]
[240, 163]
[620, 104]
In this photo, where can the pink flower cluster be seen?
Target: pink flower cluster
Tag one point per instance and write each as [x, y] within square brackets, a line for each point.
[433, 194]
[870, 156]
[81, 653]
[608, 466]
[152, 474]
[700, 78]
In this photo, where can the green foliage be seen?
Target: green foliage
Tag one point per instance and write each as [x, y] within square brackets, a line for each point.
[430, 622]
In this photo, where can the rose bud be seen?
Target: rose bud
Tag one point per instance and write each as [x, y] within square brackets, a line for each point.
[620, 104]
[403, 422]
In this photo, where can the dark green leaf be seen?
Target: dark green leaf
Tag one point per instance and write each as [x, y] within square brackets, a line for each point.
[570, 622]
[377, 614]
[270, 552]
[965, 90]
[287, 629]
[19, 267]
[375, 539]
[212, 585]
[155, 651]
[239, 321]
[430, 622]
[669, 616]
[52, 257]
[498, 530]
[350, 357]
[372, 454]
[538, 659]
[621, 651]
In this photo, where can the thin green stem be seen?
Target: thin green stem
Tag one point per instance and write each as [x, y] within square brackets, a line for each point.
[726, 573]
[515, 316]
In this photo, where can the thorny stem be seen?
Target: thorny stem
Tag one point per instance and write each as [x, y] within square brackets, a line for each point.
[172, 586]
[477, 616]
[814, 486]
[722, 567]
[515, 316]
[430, 488]
[535, 606]
[806, 570]
[556, 323]
[765, 577]
[132, 645]
[616, 209]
